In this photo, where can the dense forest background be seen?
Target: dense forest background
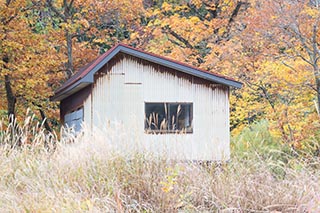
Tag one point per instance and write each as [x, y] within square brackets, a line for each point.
[271, 46]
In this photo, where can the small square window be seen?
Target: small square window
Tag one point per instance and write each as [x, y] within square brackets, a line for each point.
[168, 117]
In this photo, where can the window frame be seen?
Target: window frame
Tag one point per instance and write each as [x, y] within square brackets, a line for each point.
[168, 131]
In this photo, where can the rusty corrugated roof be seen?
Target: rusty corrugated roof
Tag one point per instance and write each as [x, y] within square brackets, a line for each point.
[83, 78]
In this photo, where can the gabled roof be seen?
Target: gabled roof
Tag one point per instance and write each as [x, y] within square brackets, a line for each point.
[84, 76]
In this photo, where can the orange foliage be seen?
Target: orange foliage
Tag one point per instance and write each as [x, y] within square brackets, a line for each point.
[272, 46]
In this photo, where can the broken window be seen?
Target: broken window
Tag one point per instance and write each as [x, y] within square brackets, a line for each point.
[168, 117]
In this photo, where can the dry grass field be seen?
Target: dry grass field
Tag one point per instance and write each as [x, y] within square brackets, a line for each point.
[82, 175]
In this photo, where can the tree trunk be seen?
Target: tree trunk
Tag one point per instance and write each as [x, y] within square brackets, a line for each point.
[66, 16]
[69, 52]
[318, 93]
[44, 120]
[11, 98]
[49, 144]
[43, 116]
[15, 131]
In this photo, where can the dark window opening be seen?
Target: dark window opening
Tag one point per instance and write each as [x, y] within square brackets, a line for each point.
[168, 117]
[74, 119]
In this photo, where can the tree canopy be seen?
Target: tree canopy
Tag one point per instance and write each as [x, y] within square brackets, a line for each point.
[272, 46]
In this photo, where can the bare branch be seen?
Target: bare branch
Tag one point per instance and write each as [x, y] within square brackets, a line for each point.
[70, 4]
[288, 65]
[177, 36]
[235, 12]
[314, 42]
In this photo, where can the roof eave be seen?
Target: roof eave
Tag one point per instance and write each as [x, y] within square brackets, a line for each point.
[181, 67]
[88, 78]
[70, 90]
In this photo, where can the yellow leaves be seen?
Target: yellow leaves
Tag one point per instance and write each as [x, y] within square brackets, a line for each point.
[194, 19]
[10, 46]
[197, 3]
[311, 11]
[166, 7]
[182, 8]
[292, 123]
[155, 12]
[274, 91]
[230, 3]
[227, 5]
[66, 26]
[170, 180]
[29, 54]
[157, 22]
[134, 35]
[99, 40]
[222, 30]
[279, 93]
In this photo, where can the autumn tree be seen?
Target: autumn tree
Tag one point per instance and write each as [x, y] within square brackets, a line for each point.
[272, 46]
[9, 17]
[190, 30]
[295, 30]
[43, 42]
[27, 65]
[87, 28]
[278, 54]
[268, 45]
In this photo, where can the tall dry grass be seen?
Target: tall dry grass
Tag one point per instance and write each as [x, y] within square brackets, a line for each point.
[83, 175]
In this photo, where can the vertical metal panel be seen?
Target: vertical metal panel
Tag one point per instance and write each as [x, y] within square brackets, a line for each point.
[108, 98]
[87, 111]
[119, 97]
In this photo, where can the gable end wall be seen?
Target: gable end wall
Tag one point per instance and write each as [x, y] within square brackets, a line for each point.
[126, 83]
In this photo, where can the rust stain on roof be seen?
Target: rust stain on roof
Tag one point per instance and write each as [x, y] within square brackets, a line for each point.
[82, 72]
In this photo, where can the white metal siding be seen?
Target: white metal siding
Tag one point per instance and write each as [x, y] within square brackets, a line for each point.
[87, 111]
[119, 96]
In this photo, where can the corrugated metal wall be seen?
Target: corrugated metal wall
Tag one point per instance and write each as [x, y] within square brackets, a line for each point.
[119, 96]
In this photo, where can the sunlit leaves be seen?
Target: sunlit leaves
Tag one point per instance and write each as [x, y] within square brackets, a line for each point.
[271, 46]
